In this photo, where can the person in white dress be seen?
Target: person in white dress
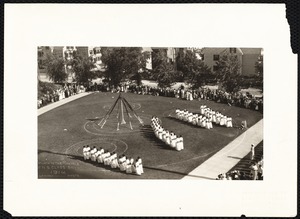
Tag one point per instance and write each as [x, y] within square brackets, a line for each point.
[84, 152]
[179, 145]
[203, 122]
[222, 120]
[173, 140]
[160, 132]
[214, 119]
[229, 122]
[122, 163]
[88, 152]
[168, 138]
[137, 167]
[202, 109]
[93, 154]
[141, 169]
[128, 166]
[99, 157]
[106, 159]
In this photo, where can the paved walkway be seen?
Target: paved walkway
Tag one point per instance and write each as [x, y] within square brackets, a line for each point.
[61, 102]
[230, 155]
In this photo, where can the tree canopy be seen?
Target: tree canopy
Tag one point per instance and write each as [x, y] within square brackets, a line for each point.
[163, 70]
[83, 69]
[55, 67]
[123, 63]
[194, 70]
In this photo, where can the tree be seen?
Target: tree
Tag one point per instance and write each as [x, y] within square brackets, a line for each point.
[165, 74]
[163, 70]
[83, 69]
[259, 66]
[228, 71]
[55, 67]
[228, 66]
[123, 63]
[195, 71]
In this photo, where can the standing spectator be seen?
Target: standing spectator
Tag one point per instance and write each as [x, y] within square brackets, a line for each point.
[252, 152]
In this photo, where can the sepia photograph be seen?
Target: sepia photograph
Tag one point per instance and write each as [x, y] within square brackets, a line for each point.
[149, 110]
[150, 113]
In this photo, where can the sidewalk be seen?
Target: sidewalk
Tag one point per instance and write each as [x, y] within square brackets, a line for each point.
[230, 155]
[61, 102]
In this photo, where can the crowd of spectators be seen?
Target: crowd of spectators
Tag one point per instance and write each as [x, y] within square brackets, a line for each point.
[58, 92]
[239, 99]
[254, 172]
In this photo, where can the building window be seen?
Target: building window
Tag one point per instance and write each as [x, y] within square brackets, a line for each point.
[216, 57]
[232, 50]
[215, 68]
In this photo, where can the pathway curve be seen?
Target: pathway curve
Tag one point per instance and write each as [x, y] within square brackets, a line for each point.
[230, 155]
[51, 106]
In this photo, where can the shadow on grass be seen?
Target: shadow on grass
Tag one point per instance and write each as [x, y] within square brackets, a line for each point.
[148, 133]
[80, 158]
[176, 172]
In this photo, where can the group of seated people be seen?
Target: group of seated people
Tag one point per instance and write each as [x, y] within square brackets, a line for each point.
[102, 156]
[233, 175]
[195, 119]
[216, 117]
[255, 172]
[168, 137]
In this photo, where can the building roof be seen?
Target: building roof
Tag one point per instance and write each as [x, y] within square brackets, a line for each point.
[252, 50]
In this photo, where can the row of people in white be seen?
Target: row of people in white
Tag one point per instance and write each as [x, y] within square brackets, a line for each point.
[111, 159]
[195, 119]
[216, 117]
[166, 136]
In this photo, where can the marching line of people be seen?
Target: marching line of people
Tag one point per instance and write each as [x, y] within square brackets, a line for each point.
[168, 137]
[216, 117]
[195, 119]
[102, 156]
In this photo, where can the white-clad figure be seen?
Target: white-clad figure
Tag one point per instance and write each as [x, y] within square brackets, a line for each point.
[203, 122]
[229, 122]
[173, 140]
[164, 132]
[122, 163]
[222, 121]
[114, 161]
[133, 167]
[156, 131]
[103, 156]
[177, 111]
[191, 96]
[199, 120]
[128, 166]
[160, 133]
[207, 126]
[210, 122]
[194, 121]
[88, 152]
[106, 159]
[214, 118]
[137, 167]
[190, 117]
[179, 145]
[141, 169]
[168, 138]
[99, 157]
[97, 154]
[225, 120]
[202, 109]
[218, 118]
[93, 154]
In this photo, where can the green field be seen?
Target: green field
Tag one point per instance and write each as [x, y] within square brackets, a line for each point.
[64, 130]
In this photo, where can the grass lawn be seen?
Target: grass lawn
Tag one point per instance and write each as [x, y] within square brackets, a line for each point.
[64, 130]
